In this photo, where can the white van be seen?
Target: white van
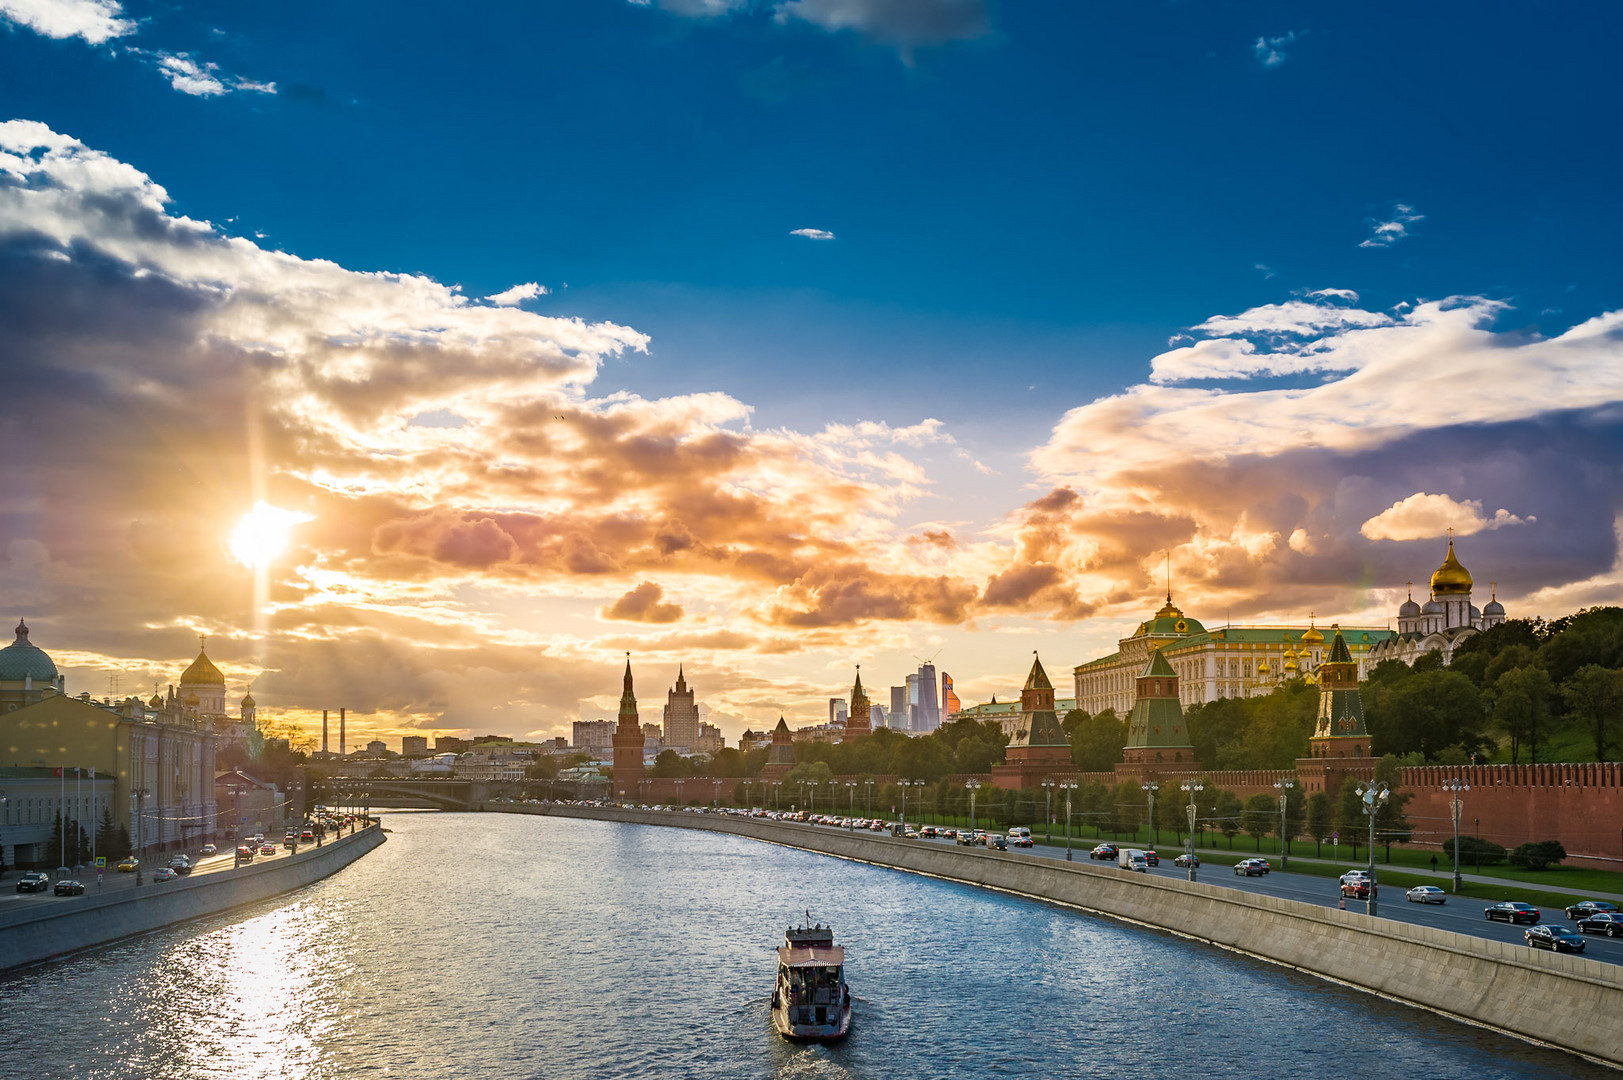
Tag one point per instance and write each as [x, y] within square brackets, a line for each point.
[1133, 859]
[1019, 836]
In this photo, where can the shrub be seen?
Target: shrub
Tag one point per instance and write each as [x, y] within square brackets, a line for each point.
[1475, 851]
[1538, 856]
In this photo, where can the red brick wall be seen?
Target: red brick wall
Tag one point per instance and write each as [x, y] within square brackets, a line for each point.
[1579, 805]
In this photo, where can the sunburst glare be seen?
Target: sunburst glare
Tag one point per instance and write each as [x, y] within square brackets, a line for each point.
[261, 535]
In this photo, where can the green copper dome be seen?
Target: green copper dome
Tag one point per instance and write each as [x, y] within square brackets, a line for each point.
[21, 660]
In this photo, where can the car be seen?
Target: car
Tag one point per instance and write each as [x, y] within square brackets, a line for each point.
[1555, 937]
[1106, 852]
[1609, 923]
[1359, 888]
[1426, 894]
[180, 864]
[1252, 867]
[267, 849]
[69, 887]
[129, 865]
[164, 873]
[1354, 875]
[1187, 860]
[1020, 836]
[34, 881]
[999, 843]
[307, 836]
[928, 832]
[1152, 856]
[208, 849]
[1512, 911]
[1584, 908]
[966, 838]
[245, 852]
[290, 841]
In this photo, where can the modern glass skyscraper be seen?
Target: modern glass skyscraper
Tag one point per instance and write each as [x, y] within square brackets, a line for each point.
[929, 714]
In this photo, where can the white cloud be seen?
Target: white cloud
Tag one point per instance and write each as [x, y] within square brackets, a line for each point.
[902, 23]
[95, 21]
[201, 78]
[1334, 294]
[1270, 50]
[1422, 516]
[1390, 232]
[1295, 317]
[812, 234]
[518, 294]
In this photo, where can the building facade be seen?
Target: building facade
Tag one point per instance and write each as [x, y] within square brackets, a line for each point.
[681, 717]
[628, 741]
[1445, 620]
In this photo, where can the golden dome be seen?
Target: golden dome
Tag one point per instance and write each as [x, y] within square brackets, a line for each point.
[1451, 579]
[1169, 610]
[202, 672]
[1311, 635]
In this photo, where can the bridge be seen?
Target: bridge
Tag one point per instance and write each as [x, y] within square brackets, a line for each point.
[423, 794]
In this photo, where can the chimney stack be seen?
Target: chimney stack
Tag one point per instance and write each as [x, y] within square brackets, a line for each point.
[324, 748]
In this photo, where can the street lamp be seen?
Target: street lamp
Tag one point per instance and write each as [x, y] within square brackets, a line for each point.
[1048, 811]
[1454, 787]
[868, 795]
[1150, 789]
[140, 833]
[902, 783]
[1374, 797]
[716, 800]
[1193, 787]
[851, 789]
[973, 786]
[1067, 786]
[1285, 787]
[680, 801]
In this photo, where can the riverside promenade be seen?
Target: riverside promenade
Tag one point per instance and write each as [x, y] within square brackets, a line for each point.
[1564, 1001]
[33, 933]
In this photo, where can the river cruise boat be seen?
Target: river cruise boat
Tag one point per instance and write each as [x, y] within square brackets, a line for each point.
[811, 1001]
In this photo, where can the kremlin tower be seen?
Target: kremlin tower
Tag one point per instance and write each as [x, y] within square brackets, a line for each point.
[628, 742]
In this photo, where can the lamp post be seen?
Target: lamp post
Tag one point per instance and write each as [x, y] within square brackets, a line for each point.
[1454, 787]
[902, 783]
[1285, 787]
[1067, 786]
[1374, 797]
[140, 833]
[868, 795]
[1150, 789]
[851, 790]
[4, 802]
[1193, 787]
[715, 802]
[1048, 811]
[680, 801]
[974, 786]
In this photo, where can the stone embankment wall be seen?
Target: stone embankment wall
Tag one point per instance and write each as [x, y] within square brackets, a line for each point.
[1564, 1001]
[35, 932]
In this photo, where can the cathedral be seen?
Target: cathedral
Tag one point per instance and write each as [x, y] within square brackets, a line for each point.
[1443, 621]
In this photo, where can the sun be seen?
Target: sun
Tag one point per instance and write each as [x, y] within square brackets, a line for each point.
[261, 534]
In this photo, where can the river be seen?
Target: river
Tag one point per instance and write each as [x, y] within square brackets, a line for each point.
[515, 947]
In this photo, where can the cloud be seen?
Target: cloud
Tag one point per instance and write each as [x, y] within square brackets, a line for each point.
[200, 78]
[1422, 516]
[95, 21]
[812, 234]
[1270, 50]
[518, 294]
[643, 604]
[1387, 233]
[701, 9]
[905, 24]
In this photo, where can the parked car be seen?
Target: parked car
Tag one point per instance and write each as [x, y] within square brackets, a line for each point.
[1152, 857]
[208, 849]
[1584, 908]
[1107, 852]
[1426, 894]
[1252, 867]
[1187, 860]
[34, 881]
[130, 865]
[69, 887]
[1609, 923]
[1512, 911]
[1555, 937]
[164, 873]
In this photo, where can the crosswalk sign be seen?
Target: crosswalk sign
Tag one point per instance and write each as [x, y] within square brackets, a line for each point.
[101, 862]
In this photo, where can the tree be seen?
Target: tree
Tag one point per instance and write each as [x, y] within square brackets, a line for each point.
[670, 764]
[1521, 706]
[1350, 819]
[1129, 807]
[1214, 726]
[107, 836]
[1096, 741]
[1225, 815]
[1426, 712]
[1319, 820]
[1594, 695]
[1258, 816]
[1592, 636]
[1538, 856]
[1390, 821]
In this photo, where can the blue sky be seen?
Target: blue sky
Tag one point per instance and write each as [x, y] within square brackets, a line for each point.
[1029, 203]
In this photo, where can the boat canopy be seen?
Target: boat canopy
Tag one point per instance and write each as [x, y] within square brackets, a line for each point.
[811, 956]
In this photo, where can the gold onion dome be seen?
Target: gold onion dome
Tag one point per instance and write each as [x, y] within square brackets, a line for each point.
[248, 699]
[1311, 635]
[1451, 579]
[202, 672]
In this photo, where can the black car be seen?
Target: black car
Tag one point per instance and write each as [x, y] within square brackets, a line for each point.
[1609, 923]
[1585, 908]
[1512, 912]
[1555, 937]
[1104, 851]
[69, 887]
[34, 881]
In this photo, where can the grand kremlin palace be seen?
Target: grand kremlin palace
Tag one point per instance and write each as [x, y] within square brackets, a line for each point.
[1232, 661]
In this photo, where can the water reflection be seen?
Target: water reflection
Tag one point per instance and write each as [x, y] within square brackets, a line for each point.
[479, 946]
